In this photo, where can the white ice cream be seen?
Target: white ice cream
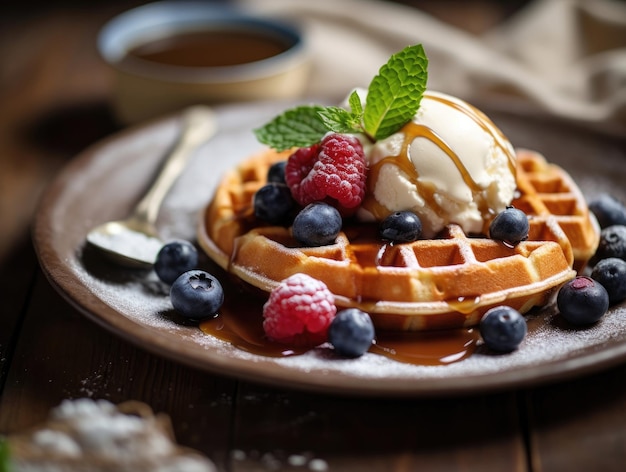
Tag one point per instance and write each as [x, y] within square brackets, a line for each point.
[450, 164]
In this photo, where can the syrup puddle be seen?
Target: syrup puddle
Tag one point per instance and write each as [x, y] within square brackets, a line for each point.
[240, 323]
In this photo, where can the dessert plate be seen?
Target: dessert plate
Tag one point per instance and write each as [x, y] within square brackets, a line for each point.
[106, 180]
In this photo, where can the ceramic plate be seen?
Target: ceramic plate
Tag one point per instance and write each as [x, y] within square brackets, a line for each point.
[106, 180]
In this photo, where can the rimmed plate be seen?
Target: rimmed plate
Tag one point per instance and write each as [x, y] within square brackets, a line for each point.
[106, 180]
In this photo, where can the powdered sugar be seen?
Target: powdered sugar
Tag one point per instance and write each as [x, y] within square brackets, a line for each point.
[86, 431]
[144, 300]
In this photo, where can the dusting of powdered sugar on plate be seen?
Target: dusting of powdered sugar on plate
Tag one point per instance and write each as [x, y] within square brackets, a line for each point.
[142, 301]
[141, 298]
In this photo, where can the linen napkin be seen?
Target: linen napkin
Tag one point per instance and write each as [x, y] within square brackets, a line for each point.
[562, 57]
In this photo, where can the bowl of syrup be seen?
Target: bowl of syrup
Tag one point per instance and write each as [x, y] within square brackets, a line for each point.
[168, 55]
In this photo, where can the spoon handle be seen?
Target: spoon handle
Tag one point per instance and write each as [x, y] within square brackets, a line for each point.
[199, 124]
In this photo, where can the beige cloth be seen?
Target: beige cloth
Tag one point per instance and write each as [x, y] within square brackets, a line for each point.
[563, 57]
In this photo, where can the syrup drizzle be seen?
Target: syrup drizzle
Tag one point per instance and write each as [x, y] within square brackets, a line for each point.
[404, 162]
[240, 323]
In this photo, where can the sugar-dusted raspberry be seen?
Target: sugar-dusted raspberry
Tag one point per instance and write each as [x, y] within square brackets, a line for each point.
[299, 311]
[333, 171]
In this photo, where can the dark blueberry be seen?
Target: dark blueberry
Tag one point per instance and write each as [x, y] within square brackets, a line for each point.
[582, 301]
[611, 273]
[503, 328]
[317, 224]
[608, 210]
[174, 258]
[612, 243]
[276, 172]
[351, 332]
[510, 226]
[273, 203]
[196, 295]
[401, 226]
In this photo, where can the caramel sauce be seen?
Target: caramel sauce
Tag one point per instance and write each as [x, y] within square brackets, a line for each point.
[240, 323]
[465, 305]
[210, 48]
[404, 162]
[483, 121]
[427, 348]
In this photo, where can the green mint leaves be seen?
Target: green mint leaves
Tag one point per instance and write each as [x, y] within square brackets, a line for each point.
[395, 93]
[299, 127]
[393, 97]
[4, 455]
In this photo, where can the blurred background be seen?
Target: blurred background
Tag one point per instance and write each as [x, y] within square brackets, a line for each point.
[471, 15]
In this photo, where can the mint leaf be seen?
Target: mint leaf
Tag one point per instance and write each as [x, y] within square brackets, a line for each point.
[355, 104]
[340, 120]
[395, 93]
[301, 126]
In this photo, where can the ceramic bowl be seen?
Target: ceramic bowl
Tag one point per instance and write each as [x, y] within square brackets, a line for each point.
[144, 87]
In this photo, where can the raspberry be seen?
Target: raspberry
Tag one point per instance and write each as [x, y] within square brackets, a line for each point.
[299, 311]
[333, 171]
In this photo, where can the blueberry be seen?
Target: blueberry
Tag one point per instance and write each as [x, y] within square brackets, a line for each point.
[273, 203]
[611, 273]
[510, 226]
[276, 172]
[582, 301]
[351, 332]
[317, 224]
[608, 210]
[612, 243]
[196, 295]
[401, 226]
[174, 258]
[503, 328]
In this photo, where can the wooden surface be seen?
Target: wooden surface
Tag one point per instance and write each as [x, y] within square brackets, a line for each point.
[53, 93]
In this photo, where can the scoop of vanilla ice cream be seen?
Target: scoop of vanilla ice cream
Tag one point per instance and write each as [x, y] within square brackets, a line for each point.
[450, 164]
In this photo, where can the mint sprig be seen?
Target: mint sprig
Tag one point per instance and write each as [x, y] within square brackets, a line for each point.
[297, 127]
[393, 97]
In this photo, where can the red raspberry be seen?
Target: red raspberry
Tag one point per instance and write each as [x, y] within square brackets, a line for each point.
[299, 311]
[333, 171]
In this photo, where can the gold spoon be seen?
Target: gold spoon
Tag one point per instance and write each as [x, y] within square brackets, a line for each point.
[134, 242]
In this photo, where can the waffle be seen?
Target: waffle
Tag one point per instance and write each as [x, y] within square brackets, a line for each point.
[446, 282]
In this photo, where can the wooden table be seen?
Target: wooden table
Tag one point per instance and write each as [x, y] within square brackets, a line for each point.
[53, 104]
